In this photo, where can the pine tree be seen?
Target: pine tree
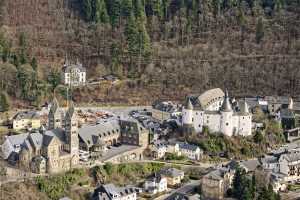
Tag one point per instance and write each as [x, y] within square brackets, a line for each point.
[126, 7]
[34, 64]
[101, 15]
[115, 12]
[87, 9]
[259, 30]
[139, 8]
[4, 102]
[131, 33]
[157, 8]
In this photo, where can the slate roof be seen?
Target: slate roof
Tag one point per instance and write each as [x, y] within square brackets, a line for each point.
[292, 157]
[17, 139]
[49, 135]
[68, 67]
[287, 113]
[26, 115]
[109, 190]
[268, 159]
[102, 129]
[189, 104]
[250, 165]
[277, 99]
[217, 174]
[191, 147]
[36, 139]
[172, 172]
[226, 106]
[71, 110]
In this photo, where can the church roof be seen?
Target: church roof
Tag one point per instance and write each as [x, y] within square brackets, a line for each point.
[54, 106]
[49, 135]
[71, 110]
[226, 106]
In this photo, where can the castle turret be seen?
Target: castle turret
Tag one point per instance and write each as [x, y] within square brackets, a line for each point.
[226, 116]
[187, 117]
[188, 112]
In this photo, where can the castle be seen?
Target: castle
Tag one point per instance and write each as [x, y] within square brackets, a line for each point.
[214, 110]
[56, 149]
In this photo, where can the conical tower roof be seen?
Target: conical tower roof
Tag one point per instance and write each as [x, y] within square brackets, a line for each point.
[244, 107]
[226, 106]
[189, 105]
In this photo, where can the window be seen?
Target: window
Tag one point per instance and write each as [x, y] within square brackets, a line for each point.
[192, 119]
[227, 124]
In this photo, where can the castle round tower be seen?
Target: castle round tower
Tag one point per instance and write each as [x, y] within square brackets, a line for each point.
[187, 117]
[226, 125]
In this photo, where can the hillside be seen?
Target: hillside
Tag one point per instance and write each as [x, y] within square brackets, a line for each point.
[250, 47]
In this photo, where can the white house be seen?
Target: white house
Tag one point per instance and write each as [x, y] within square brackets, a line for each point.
[156, 184]
[159, 150]
[111, 192]
[214, 110]
[190, 151]
[73, 74]
[289, 165]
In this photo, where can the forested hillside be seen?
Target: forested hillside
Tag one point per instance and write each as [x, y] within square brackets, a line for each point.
[163, 48]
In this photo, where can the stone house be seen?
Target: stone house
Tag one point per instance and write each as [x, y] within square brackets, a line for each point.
[215, 184]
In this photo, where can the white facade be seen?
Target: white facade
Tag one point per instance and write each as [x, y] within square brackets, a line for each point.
[219, 117]
[156, 185]
[74, 74]
[190, 151]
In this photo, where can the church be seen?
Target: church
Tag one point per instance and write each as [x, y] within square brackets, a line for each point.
[56, 149]
[214, 109]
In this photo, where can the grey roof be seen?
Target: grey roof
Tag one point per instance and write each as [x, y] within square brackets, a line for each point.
[71, 110]
[68, 67]
[292, 157]
[172, 172]
[244, 109]
[210, 96]
[189, 105]
[49, 135]
[54, 106]
[109, 190]
[250, 165]
[217, 174]
[26, 115]
[268, 159]
[87, 132]
[187, 146]
[287, 113]
[226, 106]
[36, 140]
[17, 139]
[177, 196]
[277, 99]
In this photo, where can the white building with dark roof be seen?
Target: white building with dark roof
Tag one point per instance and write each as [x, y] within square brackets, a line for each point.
[215, 111]
[191, 151]
[111, 192]
[73, 74]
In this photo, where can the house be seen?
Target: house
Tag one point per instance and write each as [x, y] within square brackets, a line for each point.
[111, 192]
[249, 165]
[215, 184]
[26, 120]
[158, 150]
[289, 165]
[73, 74]
[156, 184]
[214, 110]
[269, 162]
[275, 103]
[190, 151]
[12, 144]
[174, 176]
